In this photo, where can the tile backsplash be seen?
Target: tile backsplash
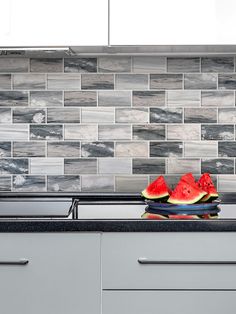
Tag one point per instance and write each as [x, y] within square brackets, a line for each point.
[113, 123]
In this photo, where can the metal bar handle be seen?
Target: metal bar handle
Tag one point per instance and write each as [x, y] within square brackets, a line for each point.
[20, 262]
[147, 261]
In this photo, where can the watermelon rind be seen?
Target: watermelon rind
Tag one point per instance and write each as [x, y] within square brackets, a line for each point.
[157, 190]
[154, 197]
[192, 201]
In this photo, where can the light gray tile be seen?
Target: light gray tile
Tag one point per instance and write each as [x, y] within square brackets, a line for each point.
[166, 115]
[218, 166]
[25, 115]
[81, 166]
[97, 115]
[97, 149]
[46, 65]
[46, 166]
[200, 81]
[114, 64]
[65, 81]
[97, 81]
[227, 115]
[217, 64]
[29, 81]
[63, 183]
[183, 132]
[179, 166]
[166, 81]
[217, 132]
[14, 132]
[63, 149]
[46, 132]
[5, 183]
[13, 166]
[148, 166]
[149, 64]
[5, 149]
[227, 149]
[5, 81]
[185, 98]
[97, 183]
[131, 81]
[5, 115]
[23, 183]
[131, 149]
[133, 184]
[226, 183]
[218, 98]
[81, 132]
[80, 99]
[227, 81]
[46, 99]
[183, 65]
[148, 132]
[148, 98]
[13, 99]
[63, 115]
[200, 149]
[29, 149]
[134, 115]
[114, 132]
[9, 65]
[166, 149]
[200, 115]
[114, 98]
[114, 166]
[80, 65]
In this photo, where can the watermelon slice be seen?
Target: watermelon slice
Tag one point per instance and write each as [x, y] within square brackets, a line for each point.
[153, 216]
[158, 189]
[206, 184]
[188, 177]
[163, 217]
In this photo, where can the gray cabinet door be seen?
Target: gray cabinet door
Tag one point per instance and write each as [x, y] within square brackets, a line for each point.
[62, 276]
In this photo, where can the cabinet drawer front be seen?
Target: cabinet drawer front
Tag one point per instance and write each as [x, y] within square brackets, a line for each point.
[169, 302]
[169, 261]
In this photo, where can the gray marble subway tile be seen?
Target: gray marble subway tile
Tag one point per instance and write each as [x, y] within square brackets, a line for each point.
[5, 183]
[132, 149]
[63, 115]
[166, 115]
[97, 183]
[13, 99]
[5, 115]
[97, 81]
[80, 65]
[133, 184]
[114, 166]
[149, 64]
[63, 183]
[46, 99]
[25, 115]
[148, 166]
[13, 166]
[81, 132]
[200, 81]
[80, 99]
[5, 81]
[14, 132]
[29, 81]
[217, 64]
[80, 166]
[132, 115]
[227, 149]
[183, 65]
[166, 149]
[166, 81]
[67, 81]
[200, 115]
[97, 149]
[200, 149]
[114, 64]
[5, 149]
[185, 98]
[114, 132]
[46, 165]
[226, 183]
[218, 99]
[131, 81]
[9, 65]
[63, 149]
[227, 115]
[227, 81]
[217, 132]
[149, 98]
[97, 115]
[148, 132]
[29, 149]
[114, 98]
[46, 132]
[217, 165]
[46, 65]
[184, 132]
[183, 165]
[25, 183]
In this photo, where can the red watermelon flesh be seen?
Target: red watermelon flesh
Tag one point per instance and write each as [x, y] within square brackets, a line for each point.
[153, 216]
[206, 184]
[188, 177]
[158, 189]
[163, 217]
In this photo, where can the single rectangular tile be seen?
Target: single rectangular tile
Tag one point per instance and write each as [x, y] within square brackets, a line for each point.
[183, 65]
[175, 165]
[200, 115]
[63, 183]
[114, 64]
[200, 81]
[148, 132]
[166, 81]
[97, 115]
[22, 183]
[227, 115]
[29, 149]
[5, 81]
[46, 65]
[81, 132]
[13, 166]
[149, 98]
[183, 98]
[25, 115]
[166, 115]
[97, 183]
[217, 132]
[46, 132]
[114, 166]
[131, 149]
[63, 149]
[149, 64]
[5, 149]
[200, 149]
[114, 132]
[217, 64]
[227, 149]
[227, 81]
[114, 98]
[65, 81]
[13, 99]
[226, 183]
[183, 132]
[14, 132]
[148, 166]
[132, 115]
[46, 166]
[63, 115]
[97, 149]
[166, 149]
[131, 81]
[218, 166]
[9, 65]
[80, 65]
[29, 81]
[5, 183]
[5, 115]
[133, 184]
[80, 99]
[46, 99]
[97, 81]
[218, 99]
[81, 166]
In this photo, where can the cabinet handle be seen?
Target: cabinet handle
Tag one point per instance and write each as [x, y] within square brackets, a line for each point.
[20, 262]
[146, 261]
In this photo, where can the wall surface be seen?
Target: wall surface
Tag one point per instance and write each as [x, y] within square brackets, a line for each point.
[114, 123]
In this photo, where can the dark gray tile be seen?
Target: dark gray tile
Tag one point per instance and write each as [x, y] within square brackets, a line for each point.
[24, 183]
[97, 81]
[217, 132]
[114, 98]
[227, 149]
[227, 115]
[218, 166]
[133, 184]
[81, 166]
[148, 166]
[218, 98]
[114, 64]
[46, 132]
[148, 98]
[217, 64]
[200, 115]
[200, 81]
[80, 65]
[63, 115]
[14, 132]
[132, 115]
[114, 132]
[5, 81]
[64, 81]
[131, 81]
[80, 99]
[166, 115]
[46, 99]
[63, 183]
[166, 81]
[5, 183]
[29, 81]
[97, 149]
[5, 115]
[149, 64]
[29, 149]
[166, 149]
[5, 149]
[46, 65]
[97, 183]
[148, 132]
[13, 166]
[227, 81]
[25, 115]
[63, 149]
[183, 65]
[9, 65]
[13, 99]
